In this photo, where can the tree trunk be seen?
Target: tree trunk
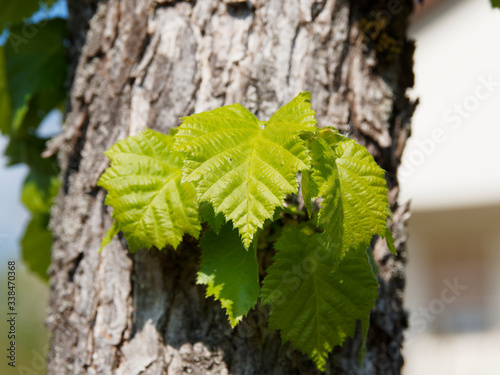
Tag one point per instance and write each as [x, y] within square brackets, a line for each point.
[146, 63]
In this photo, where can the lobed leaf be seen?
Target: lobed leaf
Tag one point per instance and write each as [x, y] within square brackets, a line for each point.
[151, 206]
[355, 205]
[313, 307]
[242, 166]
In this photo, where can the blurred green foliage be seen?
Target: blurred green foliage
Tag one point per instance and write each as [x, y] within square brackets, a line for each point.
[33, 71]
[36, 70]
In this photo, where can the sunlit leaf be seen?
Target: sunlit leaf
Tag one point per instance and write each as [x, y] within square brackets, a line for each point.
[243, 166]
[151, 206]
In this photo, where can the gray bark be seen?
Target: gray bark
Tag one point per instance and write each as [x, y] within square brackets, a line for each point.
[146, 63]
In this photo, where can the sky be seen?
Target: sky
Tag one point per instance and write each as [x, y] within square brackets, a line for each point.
[14, 216]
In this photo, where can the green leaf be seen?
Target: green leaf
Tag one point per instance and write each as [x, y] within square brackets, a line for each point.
[151, 206]
[230, 272]
[243, 166]
[495, 3]
[355, 205]
[313, 307]
[36, 244]
[298, 114]
[36, 68]
[207, 213]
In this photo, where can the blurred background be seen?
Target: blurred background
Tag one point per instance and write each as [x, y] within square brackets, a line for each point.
[31, 291]
[450, 172]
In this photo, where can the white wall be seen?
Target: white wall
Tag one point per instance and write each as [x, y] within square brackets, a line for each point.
[456, 53]
[451, 171]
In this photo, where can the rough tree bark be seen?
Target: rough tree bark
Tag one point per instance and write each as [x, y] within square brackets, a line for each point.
[145, 63]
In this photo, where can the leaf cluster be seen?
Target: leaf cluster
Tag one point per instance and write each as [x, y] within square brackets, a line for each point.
[232, 171]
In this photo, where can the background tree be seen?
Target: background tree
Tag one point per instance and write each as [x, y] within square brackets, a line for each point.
[137, 64]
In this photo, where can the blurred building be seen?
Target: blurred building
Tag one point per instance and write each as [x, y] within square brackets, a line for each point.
[451, 172]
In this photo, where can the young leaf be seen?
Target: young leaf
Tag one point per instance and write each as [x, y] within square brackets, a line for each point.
[230, 272]
[151, 206]
[243, 166]
[313, 307]
[297, 114]
[355, 205]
